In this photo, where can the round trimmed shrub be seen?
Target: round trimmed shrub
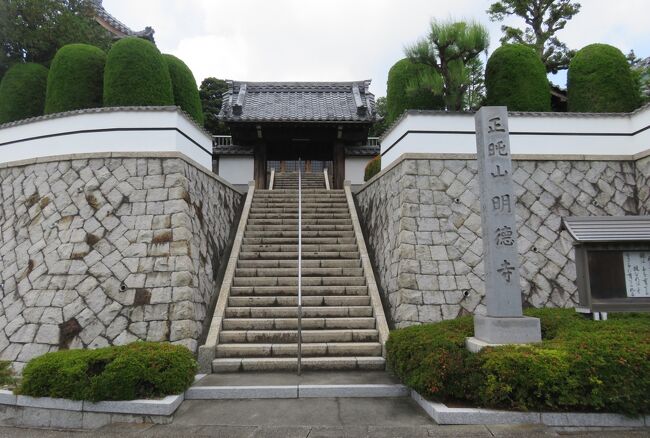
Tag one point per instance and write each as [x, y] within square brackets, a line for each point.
[398, 96]
[372, 168]
[186, 93]
[136, 75]
[516, 77]
[127, 372]
[22, 92]
[600, 80]
[76, 79]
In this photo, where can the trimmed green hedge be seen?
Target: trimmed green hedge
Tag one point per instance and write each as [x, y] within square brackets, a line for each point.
[129, 372]
[600, 80]
[76, 79]
[398, 96]
[581, 365]
[22, 92]
[516, 77]
[186, 93]
[372, 168]
[136, 75]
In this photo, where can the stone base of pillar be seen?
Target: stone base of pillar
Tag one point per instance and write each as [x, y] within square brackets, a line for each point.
[491, 331]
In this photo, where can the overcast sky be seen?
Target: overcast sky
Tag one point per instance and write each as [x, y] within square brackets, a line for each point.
[340, 40]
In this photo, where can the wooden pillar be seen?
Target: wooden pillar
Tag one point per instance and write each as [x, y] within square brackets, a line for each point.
[259, 168]
[339, 165]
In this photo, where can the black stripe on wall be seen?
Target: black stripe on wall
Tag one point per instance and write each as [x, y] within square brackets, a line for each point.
[575, 134]
[85, 131]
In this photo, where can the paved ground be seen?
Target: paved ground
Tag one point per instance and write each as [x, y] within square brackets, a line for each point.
[311, 418]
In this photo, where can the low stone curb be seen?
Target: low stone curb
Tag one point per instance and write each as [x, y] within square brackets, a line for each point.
[295, 391]
[62, 413]
[443, 414]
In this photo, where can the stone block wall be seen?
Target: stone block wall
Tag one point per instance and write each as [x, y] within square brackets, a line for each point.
[422, 218]
[106, 249]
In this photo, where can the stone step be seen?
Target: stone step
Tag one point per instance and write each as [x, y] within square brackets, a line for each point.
[293, 281]
[295, 216]
[308, 210]
[304, 221]
[294, 263]
[293, 272]
[294, 255]
[285, 336]
[311, 349]
[295, 227]
[292, 323]
[294, 233]
[276, 192]
[293, 290]
[305, 205]
[294, 240]
[325, 247]
[291, 301]
[292, 312]
[225, 365]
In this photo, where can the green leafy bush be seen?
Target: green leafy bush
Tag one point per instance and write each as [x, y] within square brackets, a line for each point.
[372, 168]
[186, 94]
[6, 373]
[22, 92]
[581, 365]
[516, 77]
[136, 75]
[400, 94]
[134, 371]
[600, 80]
[76, 79]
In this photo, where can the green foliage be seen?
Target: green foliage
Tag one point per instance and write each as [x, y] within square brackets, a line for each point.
[33, 30]
[137, 370]
[516, 78]
[22, 92]
[581, 365]
[600, 80]
[404, 91]
[136, 75]
[211, 93]
[378, 128]
[6, 373]
[186, 95]
[76, 79]
[372, 168]
[544, 18]
[448, 49]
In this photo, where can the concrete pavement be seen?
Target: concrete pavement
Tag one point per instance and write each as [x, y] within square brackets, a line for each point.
[311, 418]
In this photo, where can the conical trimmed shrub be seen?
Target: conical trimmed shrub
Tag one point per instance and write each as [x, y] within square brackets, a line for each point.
[22, 92]
[516, 77]
[136, 75]
[186, 93]
[76, 78]
[600, 80]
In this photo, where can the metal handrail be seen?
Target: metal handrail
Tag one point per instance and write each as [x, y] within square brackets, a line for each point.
[299, 266]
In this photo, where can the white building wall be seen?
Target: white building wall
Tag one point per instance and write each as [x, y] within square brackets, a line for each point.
[155, 129]
[530, 134]
[355, 168]
[236, 169]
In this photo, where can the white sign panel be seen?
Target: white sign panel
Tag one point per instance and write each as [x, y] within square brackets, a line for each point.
[637, 273]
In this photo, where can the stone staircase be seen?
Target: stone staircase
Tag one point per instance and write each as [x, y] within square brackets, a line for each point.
[259, 327]
[289, 180]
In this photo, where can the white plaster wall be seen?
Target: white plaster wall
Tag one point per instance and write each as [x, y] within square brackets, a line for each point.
[573, 134]
[355, 168]
[236, 170]
[94, 131]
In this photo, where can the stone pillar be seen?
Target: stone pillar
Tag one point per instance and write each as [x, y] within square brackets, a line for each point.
[504, 322]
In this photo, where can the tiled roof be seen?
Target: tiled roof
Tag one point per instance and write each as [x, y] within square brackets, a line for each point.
[362, 151]
[116, 24]
[298, 102]
[233, 150]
